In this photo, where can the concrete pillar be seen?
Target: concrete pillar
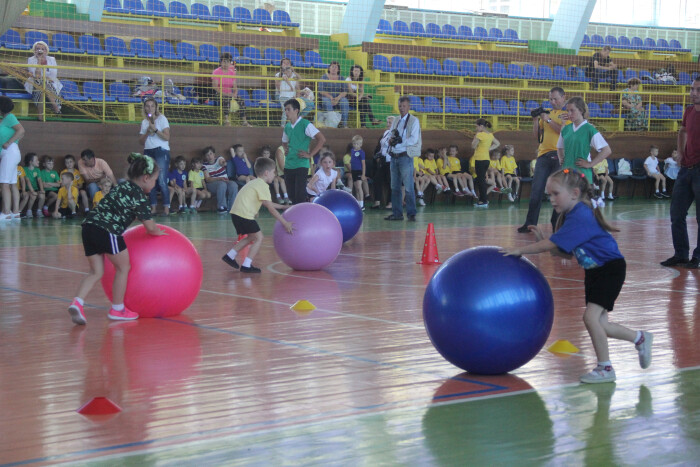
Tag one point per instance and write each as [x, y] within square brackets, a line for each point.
[570, 23]
[361, 20]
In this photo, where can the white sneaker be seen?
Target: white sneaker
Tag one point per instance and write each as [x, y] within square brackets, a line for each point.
[599, 374]
[5, 217]
[421, 202]
[510, 198]
[29, 214]
[644, 349]
[349, 190]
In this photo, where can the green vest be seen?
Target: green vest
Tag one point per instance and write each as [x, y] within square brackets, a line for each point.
[298, 141]
[577, 145]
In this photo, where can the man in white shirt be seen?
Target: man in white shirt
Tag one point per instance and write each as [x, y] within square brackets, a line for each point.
[404, 144]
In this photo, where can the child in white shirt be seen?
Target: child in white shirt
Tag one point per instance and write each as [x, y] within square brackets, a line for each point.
[651, 165]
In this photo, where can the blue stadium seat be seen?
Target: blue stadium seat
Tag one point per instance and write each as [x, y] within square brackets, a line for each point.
[202, 13]
[398, 64]
[296, 58]
[384, 27]
[544, 72]
[511, 35]
[450, 66]
[165, 50]
[623, 42]
[499, 70]
[418, 29]
[637, 43]
[530, 106]
[606, 110]
[114, 6]
[676, 45]
[514, 71]
[559, 73]
[12, 40]
[142, 49]
[235, 54]
[451, 106]
[433, 30]
[313, 59]
[263, 17]
[529, 71]
[66, 44]
[381, 63]
[594, 109]
[179, 10]
[484, 107]
[480, 34]
[467, 67]
[611, 41]
[243, 94]
[465, 32]
[597, 40]
[91, 45]
[242, 15]
[586, 41]
[134, 7]
[678, 111]
[483, 69]
[255, 56]
[401, 29]
[495, 34]
[416, 103]
[629, 74]
[665, 112]
[155, 8]
[433, 67]
[222, 13]
[684, 78]
[258, 96]
[70, 91]
[282, 18]
[95, 92]
[662, 44]
[652, 111]
[122, 93]
[467, 106]
[416, 65]
[209, 52]
[649, 43]
[432, 104]
[30, 37]
[275, 56]
[117, 47]
[517, 108]
[189, 52]
[500, 107]
[645, 76]
[449, 31]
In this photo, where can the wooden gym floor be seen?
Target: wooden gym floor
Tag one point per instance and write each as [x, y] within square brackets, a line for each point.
[240, 379]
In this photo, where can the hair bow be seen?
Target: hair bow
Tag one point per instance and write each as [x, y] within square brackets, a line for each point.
[598, 203]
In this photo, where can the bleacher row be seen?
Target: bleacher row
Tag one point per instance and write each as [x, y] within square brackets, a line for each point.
[431, 66]
[117, 47]
[200, 12]
[447, 31]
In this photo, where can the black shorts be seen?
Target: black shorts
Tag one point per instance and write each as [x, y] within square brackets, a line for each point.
[97, 241]
[603, 284]
[357, 175]
[244, 226]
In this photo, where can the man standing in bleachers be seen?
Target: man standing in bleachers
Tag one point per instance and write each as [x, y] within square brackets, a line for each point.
[546, 127]
[601, 67]
[687, 186]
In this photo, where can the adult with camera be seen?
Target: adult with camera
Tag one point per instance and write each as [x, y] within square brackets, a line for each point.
[404, 144]
[546, 126]
[382, 161]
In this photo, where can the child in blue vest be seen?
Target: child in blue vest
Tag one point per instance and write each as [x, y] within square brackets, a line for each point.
[242, 164]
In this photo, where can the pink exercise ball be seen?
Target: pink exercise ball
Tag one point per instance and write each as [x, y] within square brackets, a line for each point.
[166, 273]
[316, 241]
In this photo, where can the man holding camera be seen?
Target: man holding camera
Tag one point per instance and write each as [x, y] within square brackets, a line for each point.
[404, 144]
[546, 126]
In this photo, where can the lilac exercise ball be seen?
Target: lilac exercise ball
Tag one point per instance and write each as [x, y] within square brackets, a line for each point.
[316, 241]
[346, 209]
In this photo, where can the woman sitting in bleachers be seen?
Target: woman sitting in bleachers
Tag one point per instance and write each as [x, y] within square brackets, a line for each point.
[333, 91]
[288, 87]
[358, 98]
[636, 119]
[227, 89]
[41, 79]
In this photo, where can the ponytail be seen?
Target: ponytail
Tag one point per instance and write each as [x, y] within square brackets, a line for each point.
[571, 179]
[139, 165]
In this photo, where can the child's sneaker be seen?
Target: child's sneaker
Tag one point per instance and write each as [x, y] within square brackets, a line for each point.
[421, 202]
[506, 190]
[231, 262]
[643, 346]
[251, 269]
[600, 374]
[123, 315]
[510, 197]
[76, 313]
[45, 211]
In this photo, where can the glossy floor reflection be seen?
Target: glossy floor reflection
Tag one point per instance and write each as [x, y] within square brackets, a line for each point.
[240, 379]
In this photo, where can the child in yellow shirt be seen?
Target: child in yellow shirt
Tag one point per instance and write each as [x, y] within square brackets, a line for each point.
[78, 182]
[105, 187]
[431, 169]
[67, 198]
[509, 168]
[420, 179]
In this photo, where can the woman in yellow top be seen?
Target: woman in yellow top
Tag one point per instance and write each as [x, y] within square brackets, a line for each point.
[450, 168]
[431, 169]
[482, 144]
[510, 168]
[420, 179]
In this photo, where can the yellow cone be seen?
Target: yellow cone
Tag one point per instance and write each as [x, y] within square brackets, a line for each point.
[563, 346]
[303, 306]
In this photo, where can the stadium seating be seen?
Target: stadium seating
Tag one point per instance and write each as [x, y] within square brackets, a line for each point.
[432, 104]
[417, 29]
[398, 64]
[416, 65]
[274, 56]
[122, 93]
[189, 52]
[30, 37]
[313, 59]
[254, 56]
[142, 49]
[282, 18]
[202, 13]
[235, 54]
[433, 67]
[155, 8]
[114, 6]
[95, 92]
[117, 47]
[384, 27]
[401, 29]
[510, 35]
[209, 52]
[91, 45]
[70, 91]
[296, 58]
[12, 40]
[263, 17]
[165, 50]
[179, 10]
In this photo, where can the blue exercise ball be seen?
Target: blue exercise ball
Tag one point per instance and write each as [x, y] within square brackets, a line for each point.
[487, 313]
[346, 210]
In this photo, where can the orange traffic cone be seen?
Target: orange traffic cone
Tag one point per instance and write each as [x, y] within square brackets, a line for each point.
[430, 251]
[99, 406]
[244, 251]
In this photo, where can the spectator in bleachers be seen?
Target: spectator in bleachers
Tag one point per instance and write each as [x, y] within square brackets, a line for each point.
[155, 136]
[358, 98]
[217, 180]
[94, 169]
[11, 131]
[405, 144]
[382, 171]
[227, 90]
[288, 87]
[602, 67]
[636, 118]
[333, 90]
[43, 79]
[546, 127]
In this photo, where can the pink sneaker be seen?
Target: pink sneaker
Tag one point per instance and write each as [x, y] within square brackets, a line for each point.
[76, 313]
[123, 315]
